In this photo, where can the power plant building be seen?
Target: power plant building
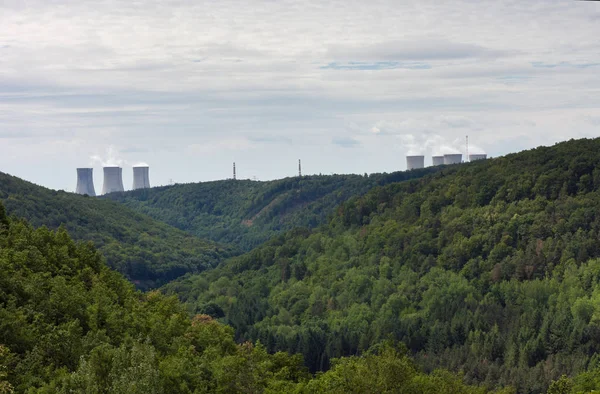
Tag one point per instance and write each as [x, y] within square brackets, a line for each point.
[141, 177]
[113, 180]
[415, 162]
[437, 160]
[474, 157]
[453, 158]
[85, 181]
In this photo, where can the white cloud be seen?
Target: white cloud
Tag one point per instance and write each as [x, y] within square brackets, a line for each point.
[422, 49]
[172, 79]
[219, 146]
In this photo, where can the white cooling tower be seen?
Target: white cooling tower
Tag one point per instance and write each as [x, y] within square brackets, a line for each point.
[479, 156]
[141, 178]
[85, 181]
[437, 160]
[453, 158]
[113, 180]
[415, 162]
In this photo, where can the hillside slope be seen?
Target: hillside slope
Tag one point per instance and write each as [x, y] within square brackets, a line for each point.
[147, 251]
[248, 213]
[491, 268]
[68, 324]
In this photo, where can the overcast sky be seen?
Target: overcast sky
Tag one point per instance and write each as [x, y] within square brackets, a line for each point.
[347, 86]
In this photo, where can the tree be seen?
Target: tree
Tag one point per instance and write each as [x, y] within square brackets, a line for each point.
[563, 385]
[5, 355]
[3, 217]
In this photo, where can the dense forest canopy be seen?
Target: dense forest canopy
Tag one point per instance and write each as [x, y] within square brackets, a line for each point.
[221, 218]
[147, 251]
[247, 213]
[69, 324]
[491, 268]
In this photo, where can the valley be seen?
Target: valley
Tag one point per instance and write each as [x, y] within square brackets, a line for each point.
[488, 269]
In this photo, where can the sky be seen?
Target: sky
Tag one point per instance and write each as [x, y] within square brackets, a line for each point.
[351, 86]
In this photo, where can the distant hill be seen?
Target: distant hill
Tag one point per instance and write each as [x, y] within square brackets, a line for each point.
[68, 324]
[491, 268]
[247, 213]
[145, 250]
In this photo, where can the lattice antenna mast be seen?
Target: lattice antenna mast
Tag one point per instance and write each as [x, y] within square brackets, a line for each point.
[299, 168]
[234, 171]
[467, 158]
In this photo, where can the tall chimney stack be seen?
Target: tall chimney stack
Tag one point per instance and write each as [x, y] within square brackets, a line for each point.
[85, 181]
[141, 177]
[113, 180]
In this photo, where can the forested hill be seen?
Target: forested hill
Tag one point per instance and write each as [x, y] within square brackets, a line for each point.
[68, 324]
[147, 251]
[491, 268]
[247, 213]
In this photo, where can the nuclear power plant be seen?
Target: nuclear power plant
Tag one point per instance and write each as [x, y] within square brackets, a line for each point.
[85, 181]
[415, 162]
[113, 180]
[437, 160]
[479, 156]
[141, 177]
[113, 175]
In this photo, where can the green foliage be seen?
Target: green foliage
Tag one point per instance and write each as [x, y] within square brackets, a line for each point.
[587, 381]
[5, 386]
[385, 372]
[3, 217]
[491, 268]
[146, 251]
[564, 385]
[248, 213]
[68, 324]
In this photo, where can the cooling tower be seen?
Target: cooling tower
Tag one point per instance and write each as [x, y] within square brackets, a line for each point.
[453, 159]
[113, 180]
[474, 157]
[141, 178]
[437, 160]
[85, 181]
[415, 162]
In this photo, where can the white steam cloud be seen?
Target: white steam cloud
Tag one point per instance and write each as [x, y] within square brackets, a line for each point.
[432, 144]
[439, 146]
[414, 146]
[110, 159]
[416, 136]
[476, 150]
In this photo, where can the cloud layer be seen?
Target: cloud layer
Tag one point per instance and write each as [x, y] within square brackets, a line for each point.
[347, 86]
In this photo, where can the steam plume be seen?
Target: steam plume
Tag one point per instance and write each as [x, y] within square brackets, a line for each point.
[111, 158]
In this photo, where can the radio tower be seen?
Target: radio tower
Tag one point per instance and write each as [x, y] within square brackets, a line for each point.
[299, 168]
[467, 158]
[234, 170]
